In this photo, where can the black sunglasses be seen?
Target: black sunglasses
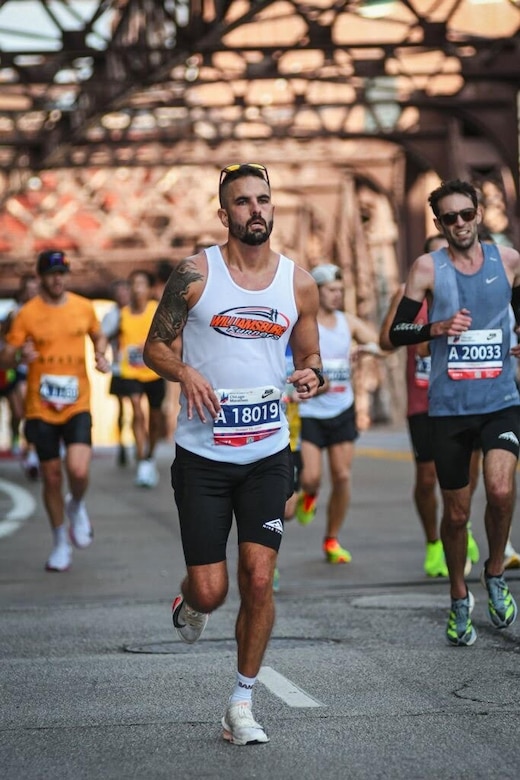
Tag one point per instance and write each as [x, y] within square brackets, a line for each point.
[234, 167]
[451, 217]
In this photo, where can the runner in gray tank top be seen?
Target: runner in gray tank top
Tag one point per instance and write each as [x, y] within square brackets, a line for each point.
[469, 287]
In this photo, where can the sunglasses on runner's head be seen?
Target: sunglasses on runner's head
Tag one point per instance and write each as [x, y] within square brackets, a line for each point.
[234, 167]
[451, 217]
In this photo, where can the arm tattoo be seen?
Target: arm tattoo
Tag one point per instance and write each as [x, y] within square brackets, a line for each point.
[172, 311]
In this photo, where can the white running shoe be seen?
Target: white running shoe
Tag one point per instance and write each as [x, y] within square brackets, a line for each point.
[147, 474]
[240, 728]
[60, 558]
[189, 623]
[511, 557]
[81, 533]
[31, 465]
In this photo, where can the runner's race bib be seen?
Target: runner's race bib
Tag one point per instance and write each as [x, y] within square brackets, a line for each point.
[423, 367]
[247, 415]
[338, 373]
[59, 391]
[135, 356]
[475, 354]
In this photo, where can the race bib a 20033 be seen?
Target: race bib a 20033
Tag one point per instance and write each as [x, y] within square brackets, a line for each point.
[475, 354]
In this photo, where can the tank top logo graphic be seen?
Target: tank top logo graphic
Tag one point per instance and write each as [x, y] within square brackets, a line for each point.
[251, 322]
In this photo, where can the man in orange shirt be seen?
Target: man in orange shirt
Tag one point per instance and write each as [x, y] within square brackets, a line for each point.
[48, 333]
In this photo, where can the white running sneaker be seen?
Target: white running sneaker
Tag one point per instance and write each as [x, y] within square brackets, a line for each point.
[147, 474]
[189, 623]
[60, 558]
[240, 728]
[31, 465]
[80, 532]
[511, 557]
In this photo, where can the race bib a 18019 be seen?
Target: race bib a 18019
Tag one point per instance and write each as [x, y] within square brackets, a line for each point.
[247, 415]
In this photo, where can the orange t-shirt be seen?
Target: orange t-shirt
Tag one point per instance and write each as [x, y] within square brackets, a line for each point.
[57, 380]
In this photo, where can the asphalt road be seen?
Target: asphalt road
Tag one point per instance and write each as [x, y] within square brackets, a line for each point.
[358, 680]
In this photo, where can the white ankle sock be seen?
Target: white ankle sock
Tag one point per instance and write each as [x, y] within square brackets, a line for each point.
[60, 534]
[243, 688]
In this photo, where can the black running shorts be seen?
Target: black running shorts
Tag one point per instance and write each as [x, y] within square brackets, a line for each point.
[47, 437]
[155, 390]
[208, 493]
[420, 428]
[454, 440]
[334, 430]
[297, 466]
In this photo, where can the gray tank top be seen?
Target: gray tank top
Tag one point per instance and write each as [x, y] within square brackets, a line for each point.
[473, 373]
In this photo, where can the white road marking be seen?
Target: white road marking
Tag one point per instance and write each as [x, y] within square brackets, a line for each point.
[23, 507]
[285, 689]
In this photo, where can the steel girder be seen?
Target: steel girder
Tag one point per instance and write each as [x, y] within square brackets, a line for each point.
[129, 82]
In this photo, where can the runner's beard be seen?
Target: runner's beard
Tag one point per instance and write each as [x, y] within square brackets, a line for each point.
[463, 243]
[251, 237]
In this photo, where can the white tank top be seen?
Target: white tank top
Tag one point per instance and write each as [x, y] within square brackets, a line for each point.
[237, 339]
[335, 344]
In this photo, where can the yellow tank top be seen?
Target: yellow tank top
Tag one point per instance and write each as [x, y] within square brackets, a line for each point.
[133, 330]
[292, 412]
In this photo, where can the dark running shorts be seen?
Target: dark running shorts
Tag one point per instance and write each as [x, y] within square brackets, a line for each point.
[47, 437]
[154, 390]
[117, 387]
[420, 428]
[335, 430]
[454, 440]
[297, 466]
[208, 493]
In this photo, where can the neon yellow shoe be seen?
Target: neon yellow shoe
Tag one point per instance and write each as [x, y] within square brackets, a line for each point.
[434, 561]
[473, 551]
[335, 553]
[276, 581]
[460, 631]
[306, 508]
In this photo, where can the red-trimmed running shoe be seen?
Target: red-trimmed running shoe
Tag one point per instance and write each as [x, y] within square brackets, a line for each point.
[306, 508]
[335, 553]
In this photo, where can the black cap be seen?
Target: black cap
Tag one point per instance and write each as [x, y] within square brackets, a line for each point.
[52, 260]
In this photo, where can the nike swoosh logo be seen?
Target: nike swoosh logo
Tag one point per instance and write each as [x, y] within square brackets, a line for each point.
[491, 279]
[443, 265]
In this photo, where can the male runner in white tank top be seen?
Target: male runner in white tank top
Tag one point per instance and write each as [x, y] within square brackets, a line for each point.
[329, 419]
[221, 331]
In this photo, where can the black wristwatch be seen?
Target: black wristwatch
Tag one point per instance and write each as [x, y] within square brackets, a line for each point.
[321, 380]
